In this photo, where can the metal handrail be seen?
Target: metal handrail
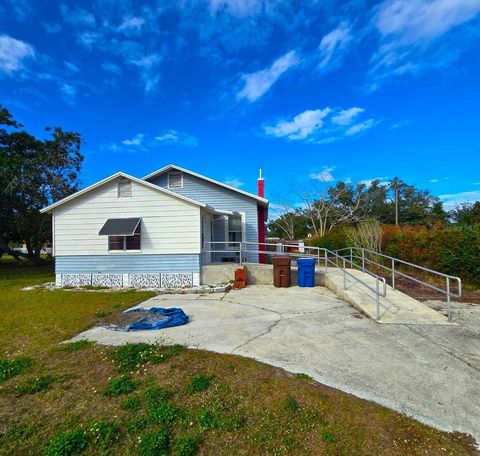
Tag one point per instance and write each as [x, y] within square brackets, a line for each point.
[244, 249]
[394, 270]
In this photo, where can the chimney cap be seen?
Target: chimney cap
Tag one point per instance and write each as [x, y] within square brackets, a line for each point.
[260, 177]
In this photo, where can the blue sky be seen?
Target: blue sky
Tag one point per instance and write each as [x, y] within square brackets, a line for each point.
[328, 90]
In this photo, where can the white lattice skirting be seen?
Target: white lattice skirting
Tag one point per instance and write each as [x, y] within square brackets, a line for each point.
[134, 280]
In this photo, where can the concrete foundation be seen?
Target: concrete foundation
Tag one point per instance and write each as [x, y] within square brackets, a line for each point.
[257, 274]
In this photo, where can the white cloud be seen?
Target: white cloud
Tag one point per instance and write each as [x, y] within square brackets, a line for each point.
[360, 127]
[69, 93]
[368, 182]
[51, 27]
[414, 21]
[71, 66]
[111, 68]
[12, 54]
[301, 126]
[234, 182]
[77, 16]
[176, 137]
[147, 61]
[325, 175]
[131, 24]
[434, 181]
[408, 31]
[321, 126]
[451, 199]
[346, 116]
[135, 141]
[240, 8]
[258, 83]
[334, 45]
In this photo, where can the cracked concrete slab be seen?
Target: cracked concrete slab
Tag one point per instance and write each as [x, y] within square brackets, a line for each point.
[429, 372]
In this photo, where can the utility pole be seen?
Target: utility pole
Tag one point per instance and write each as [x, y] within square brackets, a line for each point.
[396, 205]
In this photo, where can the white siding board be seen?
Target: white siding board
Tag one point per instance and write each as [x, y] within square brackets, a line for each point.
[169, 225]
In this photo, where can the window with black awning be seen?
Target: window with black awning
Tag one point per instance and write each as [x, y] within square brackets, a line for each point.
[123, 234]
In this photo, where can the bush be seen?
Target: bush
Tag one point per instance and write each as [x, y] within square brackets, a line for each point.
[199, 383]
[155, 444]
[11, 367]
[156, 395]
[35, 385]
[452, 250]
[67, 443]
[334, 240]
[122, 385]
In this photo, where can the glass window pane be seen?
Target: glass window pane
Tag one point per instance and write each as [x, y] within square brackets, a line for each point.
[133, 242]
[115, 242]
[235, 224]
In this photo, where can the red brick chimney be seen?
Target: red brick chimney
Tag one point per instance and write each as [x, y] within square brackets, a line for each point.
[262, 258]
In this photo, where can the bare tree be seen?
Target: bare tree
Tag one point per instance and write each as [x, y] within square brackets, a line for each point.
[329, 207]
[285, 219]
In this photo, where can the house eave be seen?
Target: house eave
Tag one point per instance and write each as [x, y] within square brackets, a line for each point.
[259, 199]
[111, 178]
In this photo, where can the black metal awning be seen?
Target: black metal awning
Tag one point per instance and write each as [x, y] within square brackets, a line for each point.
[120, 227]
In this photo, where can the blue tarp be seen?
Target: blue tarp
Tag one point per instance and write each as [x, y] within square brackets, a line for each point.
[173, 316]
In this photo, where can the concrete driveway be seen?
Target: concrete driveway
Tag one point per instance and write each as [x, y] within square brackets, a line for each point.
[429, 372]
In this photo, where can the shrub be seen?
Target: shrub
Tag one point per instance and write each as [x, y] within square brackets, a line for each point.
[199, 383]
[122, 385]
[77, 345]
[35, 385]
[186, 446]
[303, 376]
[11, 367]
[155, 443]
[334, 240]
[67, 443]
[103, 432]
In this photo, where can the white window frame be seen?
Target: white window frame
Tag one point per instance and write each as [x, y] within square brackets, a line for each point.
[125, 251]
[181, 180]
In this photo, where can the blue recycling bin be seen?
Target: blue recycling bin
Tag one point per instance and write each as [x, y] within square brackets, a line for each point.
[306, 272]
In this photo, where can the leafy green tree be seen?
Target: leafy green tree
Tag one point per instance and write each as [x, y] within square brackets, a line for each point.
[466, 213]
[33, 174]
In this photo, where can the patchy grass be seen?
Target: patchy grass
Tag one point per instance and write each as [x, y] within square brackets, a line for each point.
[199, 383]
[121, 385]
[78, 345]
[11, 367]
[35, 385]
[185, 402]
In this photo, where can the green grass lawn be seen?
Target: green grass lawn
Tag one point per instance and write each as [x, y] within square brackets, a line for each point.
[140, 399]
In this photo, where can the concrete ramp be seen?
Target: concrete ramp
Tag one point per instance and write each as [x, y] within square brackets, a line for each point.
[395, 308]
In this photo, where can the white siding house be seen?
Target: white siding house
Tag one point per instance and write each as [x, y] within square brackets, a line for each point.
[125, 231]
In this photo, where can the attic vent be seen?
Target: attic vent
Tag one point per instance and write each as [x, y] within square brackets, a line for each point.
[124, 188]
[175, 180]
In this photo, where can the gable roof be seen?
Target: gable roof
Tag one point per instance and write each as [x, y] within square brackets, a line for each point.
[259, 199]
[110, 179]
